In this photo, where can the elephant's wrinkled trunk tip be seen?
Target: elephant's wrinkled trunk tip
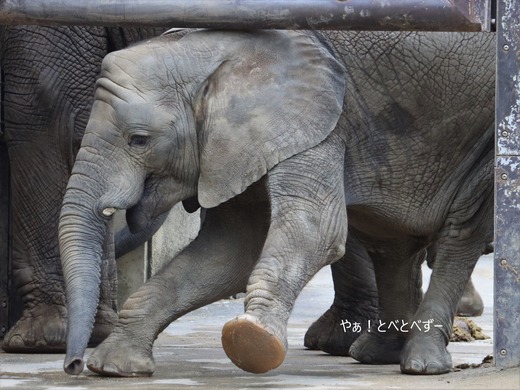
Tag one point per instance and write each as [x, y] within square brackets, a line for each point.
[74, 366]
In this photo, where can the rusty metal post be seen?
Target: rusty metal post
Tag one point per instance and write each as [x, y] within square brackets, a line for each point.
[4, 236]
[411, 15]
[507, 179]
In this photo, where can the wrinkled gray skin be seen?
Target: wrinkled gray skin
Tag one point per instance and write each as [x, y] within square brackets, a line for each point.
[48, 86]
[281, 135]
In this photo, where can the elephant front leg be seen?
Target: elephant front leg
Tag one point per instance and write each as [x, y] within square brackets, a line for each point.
[214, 266]
[308, 231]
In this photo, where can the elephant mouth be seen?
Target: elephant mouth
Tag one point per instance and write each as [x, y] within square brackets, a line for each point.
[134, 198]
[139, 215]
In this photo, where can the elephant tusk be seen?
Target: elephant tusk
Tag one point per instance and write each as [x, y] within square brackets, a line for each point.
[109, 211]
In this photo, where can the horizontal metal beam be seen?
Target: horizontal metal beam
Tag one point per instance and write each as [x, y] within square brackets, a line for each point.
[413, 15]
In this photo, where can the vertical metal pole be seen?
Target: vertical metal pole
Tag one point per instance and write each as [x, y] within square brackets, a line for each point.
[507, 187]
[4, 225]
[4, 241]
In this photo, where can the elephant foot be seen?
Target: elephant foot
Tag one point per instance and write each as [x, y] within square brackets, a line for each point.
[41, 329]
[471, 304]
[377, 348]
[251, 346]
[328, 335]
[119, 357]
[425, 356]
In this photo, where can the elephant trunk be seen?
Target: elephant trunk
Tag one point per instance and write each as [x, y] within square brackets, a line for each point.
[82, 236]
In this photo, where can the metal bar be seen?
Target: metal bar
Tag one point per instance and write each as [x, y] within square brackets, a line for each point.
[507, 184]
[4, 221]
[4, 240]
[419, 15]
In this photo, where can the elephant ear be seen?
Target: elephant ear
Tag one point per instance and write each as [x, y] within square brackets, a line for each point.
[278, 94]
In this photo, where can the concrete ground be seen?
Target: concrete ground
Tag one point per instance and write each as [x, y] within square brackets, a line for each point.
[188, 354]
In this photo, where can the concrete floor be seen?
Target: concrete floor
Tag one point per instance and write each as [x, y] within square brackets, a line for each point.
[188, 354]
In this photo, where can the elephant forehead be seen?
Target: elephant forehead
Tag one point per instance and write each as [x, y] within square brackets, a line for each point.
[135, 74]
[145, 115]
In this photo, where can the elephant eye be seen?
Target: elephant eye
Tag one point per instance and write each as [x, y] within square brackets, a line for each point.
[138, 140]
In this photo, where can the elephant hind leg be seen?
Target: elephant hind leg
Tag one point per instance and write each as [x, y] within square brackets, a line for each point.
[397, 266]
[355, 302]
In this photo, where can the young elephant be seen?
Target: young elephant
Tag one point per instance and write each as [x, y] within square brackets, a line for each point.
[281, 135]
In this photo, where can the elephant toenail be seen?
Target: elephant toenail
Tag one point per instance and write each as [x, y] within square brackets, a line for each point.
[16, 342]
[416, 366]
[433, 368]
[92, 362]
[111, 369]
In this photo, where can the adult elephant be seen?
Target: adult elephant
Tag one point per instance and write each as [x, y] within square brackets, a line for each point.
[48, 77]
[281, 135]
